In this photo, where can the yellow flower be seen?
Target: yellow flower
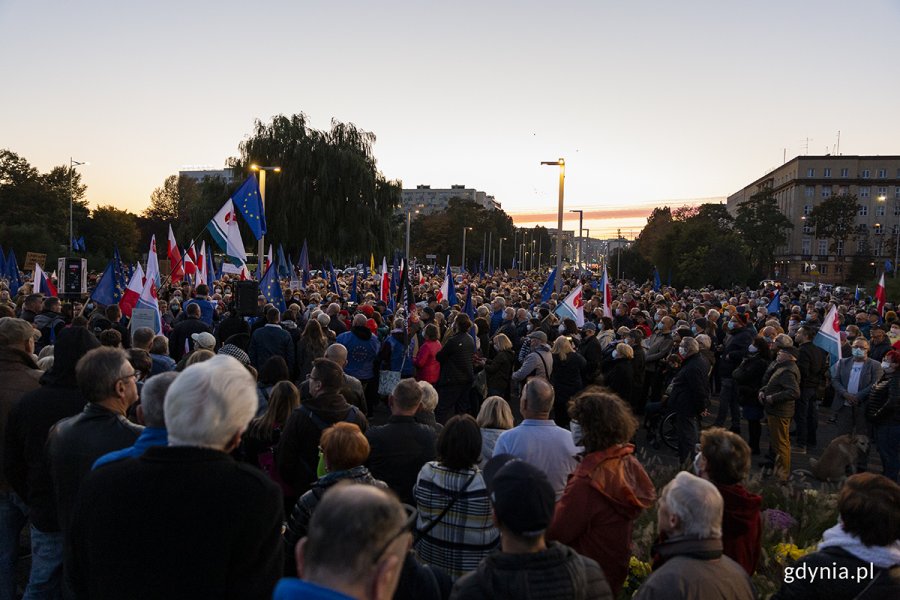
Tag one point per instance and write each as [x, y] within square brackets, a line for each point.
[638, 568]
[784, 551]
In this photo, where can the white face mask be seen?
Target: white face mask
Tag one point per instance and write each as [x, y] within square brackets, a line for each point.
[887, 366]
[682, 352]
[698, 470]
[615, 354]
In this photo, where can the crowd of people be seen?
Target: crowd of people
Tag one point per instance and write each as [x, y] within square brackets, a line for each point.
[410, 448]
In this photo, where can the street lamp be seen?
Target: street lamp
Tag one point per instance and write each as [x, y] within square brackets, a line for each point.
[465, 229]
[72, 164]
[515, 247]
[587, 234]
[500, 254]
[580, 232]
[532, 256]
[561, 163]
[261, 249]
[408, 219]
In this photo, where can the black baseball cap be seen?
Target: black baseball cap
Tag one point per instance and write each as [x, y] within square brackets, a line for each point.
[522, 496]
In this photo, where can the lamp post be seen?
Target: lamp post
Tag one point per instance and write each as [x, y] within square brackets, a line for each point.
[561, 163]
[465, 229]
[514, 247]
[580, 230]
[587, 234]
[261, 249]
[72, 164]
[408, 219]
[532, 256]
[500, 254]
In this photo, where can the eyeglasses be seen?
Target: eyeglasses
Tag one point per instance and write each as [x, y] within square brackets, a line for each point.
[137, 375]
[408, 526]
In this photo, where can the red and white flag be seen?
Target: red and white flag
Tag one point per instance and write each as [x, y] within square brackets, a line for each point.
[573, 307]
[175, 265]
[153, 263]
[41, 283]
[201, 264]
[606, 294]
[190, 261]
[881, 295]
[385, 281]
[132, 292]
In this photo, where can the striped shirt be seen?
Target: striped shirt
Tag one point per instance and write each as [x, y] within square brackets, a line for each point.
[466, 534]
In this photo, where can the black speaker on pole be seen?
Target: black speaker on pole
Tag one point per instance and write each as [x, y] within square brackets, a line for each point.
[245, 296]
[72, 277]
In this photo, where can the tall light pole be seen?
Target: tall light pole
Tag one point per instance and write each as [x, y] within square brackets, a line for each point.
[580, 242]
[261, 249]
[500, 254]
[561, 163]
[408, 219]
[465, 229]
[514, 248]
[587, 234]
[72, 164]
[532, 256]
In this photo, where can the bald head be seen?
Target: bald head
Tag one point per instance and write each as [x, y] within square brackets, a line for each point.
[337, 353]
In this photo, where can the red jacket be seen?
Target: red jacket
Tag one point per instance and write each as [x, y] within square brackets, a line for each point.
[595, 515]
[741, 525]
[428, 368]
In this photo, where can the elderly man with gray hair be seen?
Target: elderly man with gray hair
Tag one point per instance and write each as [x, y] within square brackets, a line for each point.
[689, 561]
[689, 395]
[201, 524]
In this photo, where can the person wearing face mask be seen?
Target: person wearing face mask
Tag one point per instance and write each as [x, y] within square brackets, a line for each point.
[658, 348]
[852, 379]
[884, 414]
[779, 394]
[737, 341]
[894, 335]
[749, 378]
[689, 395]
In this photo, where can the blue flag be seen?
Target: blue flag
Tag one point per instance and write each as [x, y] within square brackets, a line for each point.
[210, 268]
[656, 282]
[353, 289]
[3, 263]
[249, 203]
[121, 279]
[775, 305]
[889, 266]
[105, 292]
[304, 264]
[548, 287]
[81, 243]
[437, 269]
[12, 271]
[857, 296]
[283, 269]
[270, 287]
[470, 310]
[334, 281]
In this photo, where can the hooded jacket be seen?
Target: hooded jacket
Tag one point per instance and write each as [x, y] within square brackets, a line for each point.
[557, 572]
[741, 525]
[362, 352]
[595, 515]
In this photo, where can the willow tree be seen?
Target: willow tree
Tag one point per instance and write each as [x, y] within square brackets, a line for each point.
[329, 190]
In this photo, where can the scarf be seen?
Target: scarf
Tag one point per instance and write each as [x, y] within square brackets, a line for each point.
[882, 557]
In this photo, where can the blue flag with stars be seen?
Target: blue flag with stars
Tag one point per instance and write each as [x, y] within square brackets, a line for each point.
[12, 270]
[270, 287]
[105, 292]
[249, 203]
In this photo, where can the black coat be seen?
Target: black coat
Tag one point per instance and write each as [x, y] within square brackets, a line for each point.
[735, 350]
[813, 364]
[566, 375]
[178, 522]
[749, 378]
[620, 378]
[690, 386]
[231, 325]
[75, 443]
[397, 452]
[456, 360]
[182, 332]
[592, 352]
[499, 371]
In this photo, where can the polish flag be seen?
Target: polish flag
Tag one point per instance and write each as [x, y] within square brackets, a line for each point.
[41, 283]
[190, 261]
[573, 307]
[132, 292]
[153, 262]
[385, 281]
[606, 294]
[201, 264]
[880, 295]
[149, 300]
[269, 258]
[177, 269]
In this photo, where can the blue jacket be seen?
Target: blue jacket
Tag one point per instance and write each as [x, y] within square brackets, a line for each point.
[297, 589]
[397, 347]
[150, 436]
[207, 309]
[362, 352]
[268, 341]
[496, 321]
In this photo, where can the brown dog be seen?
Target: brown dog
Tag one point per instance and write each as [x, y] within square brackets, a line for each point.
[840, 455]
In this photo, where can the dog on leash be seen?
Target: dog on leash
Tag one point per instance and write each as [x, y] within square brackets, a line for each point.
[839, 457]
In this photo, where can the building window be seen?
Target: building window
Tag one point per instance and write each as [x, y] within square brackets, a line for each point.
[807, 228]
[877, 228]
[882, 173]
[826, 172]
[845, 172]
[862, 210]
[877, 247]
[806, 246]
[897, 210]
[810, 172]
[897, 192]
[826, 191]
[823, 247]
[807, 210]
[882, 192]
[823, 270]
[838, 269]
[864, 191]
[866, 174]
[879, 210]
[843, 190]
[840, 248]
[810, 191]
[859, 246]
[895, 229]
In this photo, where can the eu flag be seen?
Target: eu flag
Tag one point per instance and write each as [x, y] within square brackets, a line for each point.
[12, 270]
[249, 203]
[270, 287]
[548, 287]
[105, 292]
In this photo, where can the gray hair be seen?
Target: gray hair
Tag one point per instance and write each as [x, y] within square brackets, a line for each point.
[407, 395]
[98, 372]
[691, 345]
[429, 396]
[538, 395]
[697, 504]
[704, 341]
[153, 397]
[209, 403]
[323, 319]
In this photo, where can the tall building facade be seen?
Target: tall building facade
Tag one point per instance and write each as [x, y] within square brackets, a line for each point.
[428, 200]
[803, 183]
[198, 175]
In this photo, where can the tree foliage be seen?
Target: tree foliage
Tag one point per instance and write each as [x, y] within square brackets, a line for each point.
[835, 218]
[329, 190]
[111, 227]
[764, 228]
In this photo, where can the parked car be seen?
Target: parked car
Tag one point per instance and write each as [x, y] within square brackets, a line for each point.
[806, 286]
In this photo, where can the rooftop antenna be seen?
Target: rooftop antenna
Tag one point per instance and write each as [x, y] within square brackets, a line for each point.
[806, 146]
[784, 156]
[838, 151]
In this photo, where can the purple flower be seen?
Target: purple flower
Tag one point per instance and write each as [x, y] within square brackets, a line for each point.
[778, 519]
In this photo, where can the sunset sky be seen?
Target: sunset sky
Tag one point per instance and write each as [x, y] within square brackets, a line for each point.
[649, 102]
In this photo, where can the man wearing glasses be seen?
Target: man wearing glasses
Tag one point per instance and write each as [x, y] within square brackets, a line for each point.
[358, 540]
[109, 384]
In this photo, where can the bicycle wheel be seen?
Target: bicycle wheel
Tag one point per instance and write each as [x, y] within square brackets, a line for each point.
[668, 431]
